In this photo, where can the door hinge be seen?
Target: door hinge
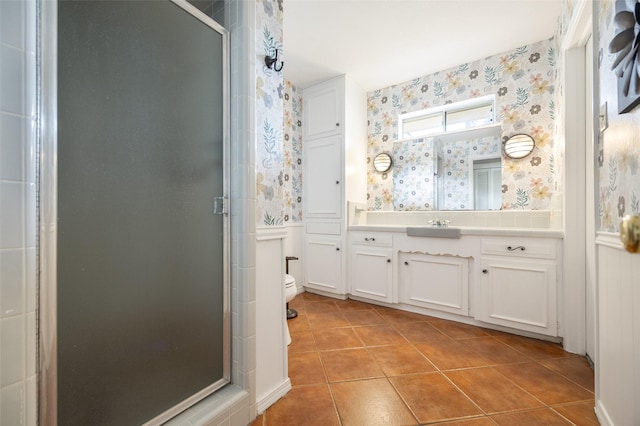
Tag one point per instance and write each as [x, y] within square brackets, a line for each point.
[220, 205]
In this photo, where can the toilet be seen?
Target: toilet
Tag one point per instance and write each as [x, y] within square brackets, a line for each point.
[290, 292]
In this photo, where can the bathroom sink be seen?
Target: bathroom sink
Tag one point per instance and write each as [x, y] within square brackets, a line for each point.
[433, 231]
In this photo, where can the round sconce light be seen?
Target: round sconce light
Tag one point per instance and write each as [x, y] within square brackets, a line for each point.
[518, 146]
[382, 162]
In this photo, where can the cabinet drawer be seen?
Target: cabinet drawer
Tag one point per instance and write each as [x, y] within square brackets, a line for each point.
[372, 239]
[520, 247]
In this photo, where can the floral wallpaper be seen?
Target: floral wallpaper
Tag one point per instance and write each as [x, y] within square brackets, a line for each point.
[292, 186]
[523, 82]
[269, 116]
[619, 145]
[413, 175]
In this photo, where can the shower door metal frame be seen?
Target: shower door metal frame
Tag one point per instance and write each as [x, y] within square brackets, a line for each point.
[46, 204]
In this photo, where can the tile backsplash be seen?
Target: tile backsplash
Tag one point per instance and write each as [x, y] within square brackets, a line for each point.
[18, 402]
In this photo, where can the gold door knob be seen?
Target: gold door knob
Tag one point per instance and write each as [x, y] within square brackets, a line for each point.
[630, 233]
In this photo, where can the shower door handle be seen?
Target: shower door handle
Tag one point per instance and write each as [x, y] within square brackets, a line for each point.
[220, 205]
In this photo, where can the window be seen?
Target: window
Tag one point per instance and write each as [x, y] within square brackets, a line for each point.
[448, 118]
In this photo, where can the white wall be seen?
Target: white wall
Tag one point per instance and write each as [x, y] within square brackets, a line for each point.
[17, 213]
[618, 369]
[272, 380]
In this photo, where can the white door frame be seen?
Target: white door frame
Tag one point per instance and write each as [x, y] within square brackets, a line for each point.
[574, 188]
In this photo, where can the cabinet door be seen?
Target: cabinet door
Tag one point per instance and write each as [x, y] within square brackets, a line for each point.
[322, 178]
[371, 273]
[324, 264]
[435, 282]
[322, 110]
[519, 294]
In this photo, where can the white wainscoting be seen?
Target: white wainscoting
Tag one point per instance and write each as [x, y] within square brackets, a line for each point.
[272, 381]
[618, 335]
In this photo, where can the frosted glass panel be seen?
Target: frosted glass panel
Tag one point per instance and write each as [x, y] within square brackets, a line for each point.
[140, 254]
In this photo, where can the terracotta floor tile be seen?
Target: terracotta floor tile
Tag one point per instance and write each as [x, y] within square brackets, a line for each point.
[546, 385]
[575, 368]
[542, 417]
[582, 414]
[310, 297]
[395, 315]
[321, 306]
[350, 364]
[302, 341]
[298, 305]
[534, 348]
[327, 320]
[457, 330]
[259, 421]
[363, 317]
[352, 305]
[338, 338]
[450, 354]
[476, 421]
[400, 359]
[376, 335]
[304, 405]
[491, 391]
[431, 397]
[493, 351]
[306, 369]
[370, 402]
[422, 331]
[299, 323]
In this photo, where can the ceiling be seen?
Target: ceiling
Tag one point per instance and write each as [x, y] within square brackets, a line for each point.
[379, 43]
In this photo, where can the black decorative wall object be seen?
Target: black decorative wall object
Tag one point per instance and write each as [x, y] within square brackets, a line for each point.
[625, 45]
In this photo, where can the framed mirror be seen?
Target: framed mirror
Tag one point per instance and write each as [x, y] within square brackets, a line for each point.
[382, 162]
[518, 146]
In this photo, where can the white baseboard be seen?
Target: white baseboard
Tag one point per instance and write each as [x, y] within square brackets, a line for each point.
[277, 393]
[601, 414]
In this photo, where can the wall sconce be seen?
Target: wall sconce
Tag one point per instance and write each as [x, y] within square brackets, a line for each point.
[382, 162]
[518, 146]
[270, 62]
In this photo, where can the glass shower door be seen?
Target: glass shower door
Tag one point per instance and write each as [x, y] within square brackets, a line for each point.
[142, 315]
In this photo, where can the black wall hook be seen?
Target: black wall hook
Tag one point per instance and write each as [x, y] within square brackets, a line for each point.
[271, 62]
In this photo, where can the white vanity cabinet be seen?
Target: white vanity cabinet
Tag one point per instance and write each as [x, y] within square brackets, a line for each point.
[518, 284]
[334, 169]
[371, 266]
[435, 282]
[324, 263]
[323, 177]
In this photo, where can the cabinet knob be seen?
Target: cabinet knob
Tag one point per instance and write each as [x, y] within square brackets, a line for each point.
[337, 124]
[337, 248]
[388, 260]
[485, 271]
[406, 263]
[337, 182]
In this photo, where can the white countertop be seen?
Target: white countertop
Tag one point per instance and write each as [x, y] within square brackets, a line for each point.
[468, 230]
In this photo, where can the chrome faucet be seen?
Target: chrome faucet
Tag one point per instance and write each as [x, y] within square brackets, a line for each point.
[439, 223]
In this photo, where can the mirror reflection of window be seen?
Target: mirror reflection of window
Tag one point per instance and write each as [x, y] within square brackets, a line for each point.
[447, 118]
[487, 180]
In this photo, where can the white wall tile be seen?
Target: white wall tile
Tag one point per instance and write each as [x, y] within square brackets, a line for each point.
[30, 280]
[31, 401]
[30, 344]
[12, 282]
[12, 404]
[12, 23]
[12, 357]
[12, 215]
[12, 147]
[11, 84]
